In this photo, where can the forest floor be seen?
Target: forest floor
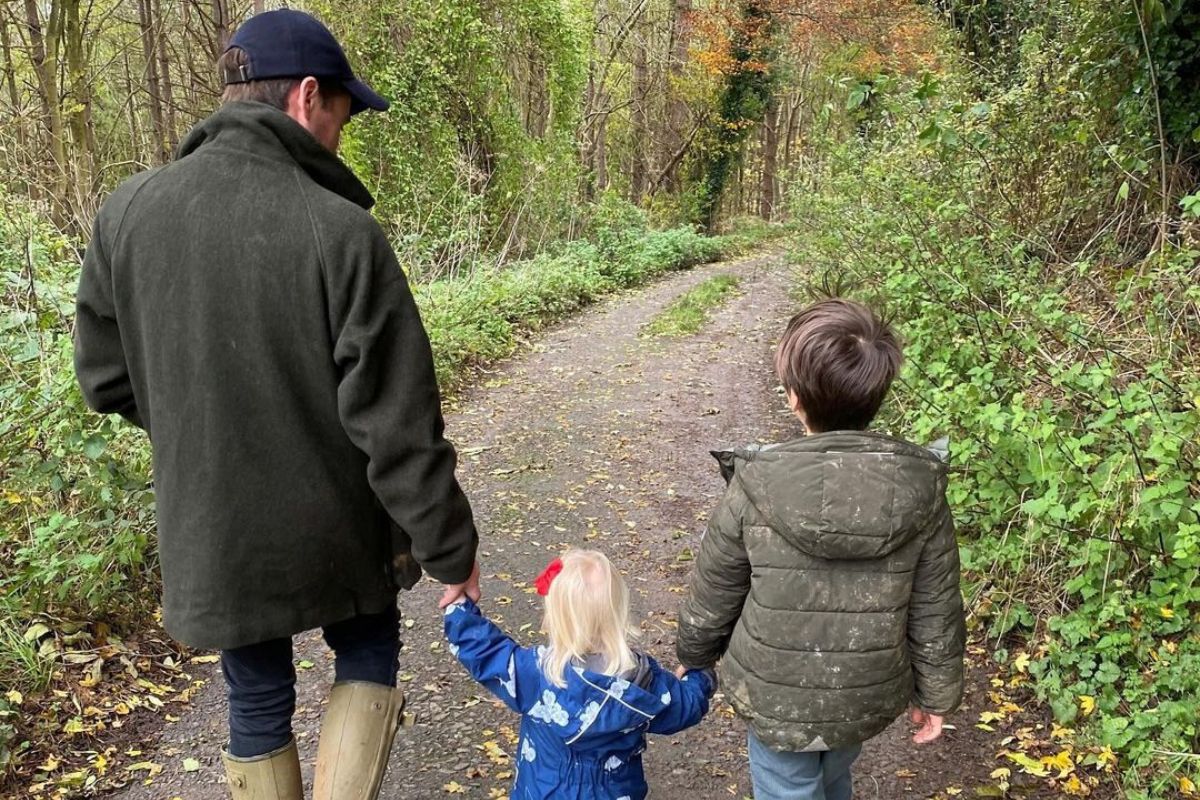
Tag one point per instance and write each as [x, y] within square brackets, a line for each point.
[596, 436]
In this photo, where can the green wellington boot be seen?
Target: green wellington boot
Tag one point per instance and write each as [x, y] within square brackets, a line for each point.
[356, 737]
[274, 776]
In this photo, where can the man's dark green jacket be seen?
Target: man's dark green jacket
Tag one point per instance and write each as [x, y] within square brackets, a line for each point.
[828, 579]
[243, 307]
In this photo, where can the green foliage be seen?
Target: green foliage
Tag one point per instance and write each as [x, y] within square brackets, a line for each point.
[457, 164]
[1059, 355]
[480, 318]
[688, 313]
[76, 503]
[742, 103]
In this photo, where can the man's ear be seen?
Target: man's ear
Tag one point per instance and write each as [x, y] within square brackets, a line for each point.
[302, 99]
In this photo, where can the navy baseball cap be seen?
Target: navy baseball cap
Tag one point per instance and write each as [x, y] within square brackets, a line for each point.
[291, 44]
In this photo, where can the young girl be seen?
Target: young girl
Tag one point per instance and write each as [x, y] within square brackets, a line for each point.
[586, 699]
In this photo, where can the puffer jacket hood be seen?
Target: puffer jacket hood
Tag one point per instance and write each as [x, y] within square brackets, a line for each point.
[827, 585]
[875, 493]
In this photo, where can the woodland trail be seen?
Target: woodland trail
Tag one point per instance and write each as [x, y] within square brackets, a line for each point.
[592, 436]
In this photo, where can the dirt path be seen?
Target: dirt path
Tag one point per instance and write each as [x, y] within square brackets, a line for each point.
[593, 437]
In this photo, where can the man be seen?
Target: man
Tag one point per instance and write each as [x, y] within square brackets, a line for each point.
[243, 307]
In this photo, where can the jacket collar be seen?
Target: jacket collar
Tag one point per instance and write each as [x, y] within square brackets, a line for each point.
[266, 131]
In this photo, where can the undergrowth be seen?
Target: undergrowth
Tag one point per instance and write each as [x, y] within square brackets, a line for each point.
[1059, 349]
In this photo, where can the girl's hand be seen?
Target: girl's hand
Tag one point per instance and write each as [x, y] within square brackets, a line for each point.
[931, 726]
[457, 591]
[680, 671]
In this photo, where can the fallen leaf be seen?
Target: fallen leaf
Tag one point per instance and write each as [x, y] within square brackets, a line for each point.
[454, 787]
[1087, 704]
[149, 767]
[1076, 787]
[191, 764]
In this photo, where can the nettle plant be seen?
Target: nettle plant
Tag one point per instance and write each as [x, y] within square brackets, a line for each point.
[76, 502]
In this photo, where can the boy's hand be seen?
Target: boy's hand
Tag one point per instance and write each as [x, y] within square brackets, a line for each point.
[456, 591]
[931, 726]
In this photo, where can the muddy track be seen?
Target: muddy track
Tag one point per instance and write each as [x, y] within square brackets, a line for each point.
[593, 436]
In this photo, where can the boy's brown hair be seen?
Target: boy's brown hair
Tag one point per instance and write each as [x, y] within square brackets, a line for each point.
[839, 359]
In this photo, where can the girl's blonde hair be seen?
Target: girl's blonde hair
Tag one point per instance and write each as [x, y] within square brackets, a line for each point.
[587, 614]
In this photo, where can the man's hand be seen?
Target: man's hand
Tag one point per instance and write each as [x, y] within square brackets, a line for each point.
[931, 726]
[456, 591]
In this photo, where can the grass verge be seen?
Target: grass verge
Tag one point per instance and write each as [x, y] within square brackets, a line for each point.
[690, 310]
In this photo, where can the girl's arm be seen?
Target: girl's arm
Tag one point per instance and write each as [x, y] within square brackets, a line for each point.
[689, 698]
[490, 655]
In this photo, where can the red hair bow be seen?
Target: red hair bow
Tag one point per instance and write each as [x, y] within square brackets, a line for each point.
[547, 577]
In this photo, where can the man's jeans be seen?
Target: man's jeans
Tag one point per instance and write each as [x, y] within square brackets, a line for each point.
[262, 678]
[800, 776]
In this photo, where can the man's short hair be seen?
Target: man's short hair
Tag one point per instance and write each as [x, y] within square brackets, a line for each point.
[839, 359]
[272, 91]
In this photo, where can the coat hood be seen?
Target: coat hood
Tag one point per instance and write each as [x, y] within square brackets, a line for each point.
[264, 130]
[841, 495]
[598, 706]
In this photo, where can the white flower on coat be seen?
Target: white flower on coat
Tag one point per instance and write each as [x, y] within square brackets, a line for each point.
[453, 648]
[666, 698]
[527, 751]
[450, 609]
[589, 714]
[617, 688]
[624, 797]
[510, 685]
[548, 710]
[613, 763]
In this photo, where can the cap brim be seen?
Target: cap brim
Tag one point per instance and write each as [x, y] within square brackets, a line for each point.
[363, 97]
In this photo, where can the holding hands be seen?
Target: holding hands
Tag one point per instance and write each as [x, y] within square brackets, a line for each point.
[457, 591]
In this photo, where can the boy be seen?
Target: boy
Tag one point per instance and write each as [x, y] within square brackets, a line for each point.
[829, 575]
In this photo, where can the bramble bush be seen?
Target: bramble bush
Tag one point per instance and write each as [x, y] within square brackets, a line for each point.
[1058, 341]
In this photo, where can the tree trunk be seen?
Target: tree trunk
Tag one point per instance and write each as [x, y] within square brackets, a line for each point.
[770, 149]
[677, 117]
[221, 34]
[146, 24]
[167, 86]
[641, 121]
[10, 82]
[44, 54]
[135, 130]
[83, 132]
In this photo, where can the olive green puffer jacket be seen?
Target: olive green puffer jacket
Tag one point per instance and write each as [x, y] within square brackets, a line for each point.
[829, 581]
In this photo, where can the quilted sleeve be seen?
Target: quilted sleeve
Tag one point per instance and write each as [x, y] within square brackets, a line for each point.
[936, 623]
[720, 584]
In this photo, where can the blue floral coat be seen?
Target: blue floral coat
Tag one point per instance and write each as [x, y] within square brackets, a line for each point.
[583, 741]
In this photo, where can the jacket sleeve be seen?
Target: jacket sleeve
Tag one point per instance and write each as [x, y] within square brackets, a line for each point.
[936, 623]
[720, 584]
[689, 701]
[390, 407]
[100, 365]
[491, 656]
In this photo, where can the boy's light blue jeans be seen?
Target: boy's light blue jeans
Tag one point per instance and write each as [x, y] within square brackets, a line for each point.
[800, 776]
